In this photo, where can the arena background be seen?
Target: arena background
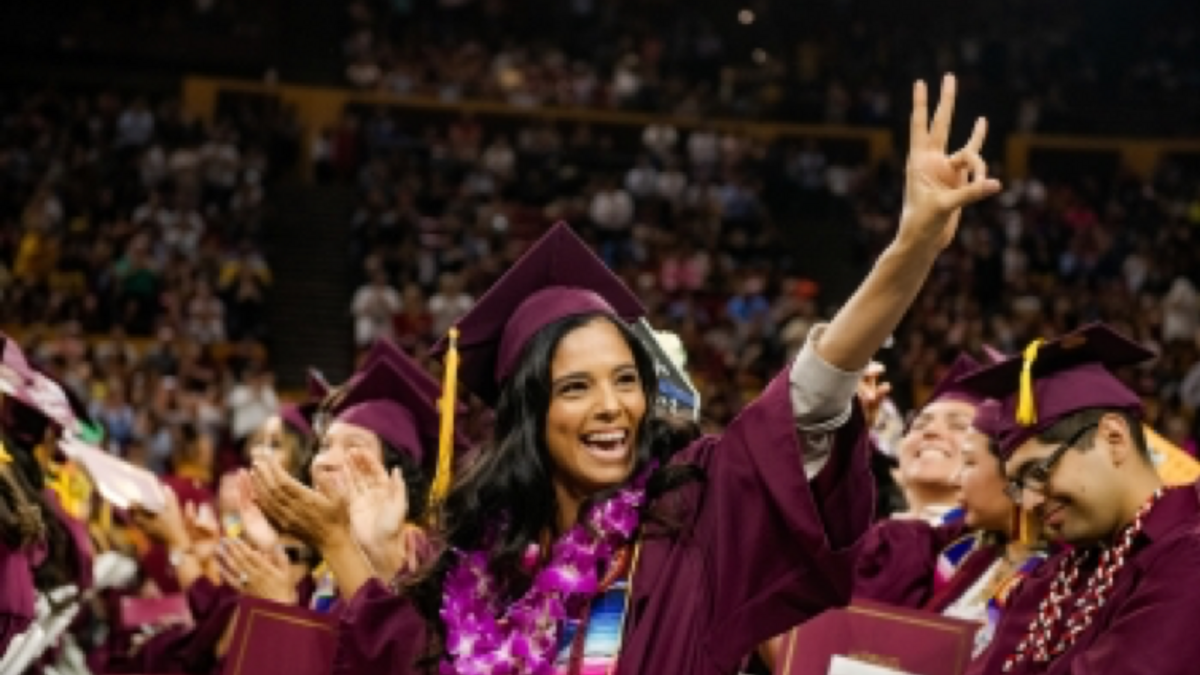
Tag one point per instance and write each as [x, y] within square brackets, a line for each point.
[202, 198]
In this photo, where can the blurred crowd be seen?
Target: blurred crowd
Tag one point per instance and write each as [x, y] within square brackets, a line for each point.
[698, 222]
[1066, 67]
[130, 259]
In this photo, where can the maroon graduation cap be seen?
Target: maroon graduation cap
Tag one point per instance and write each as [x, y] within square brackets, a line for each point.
[394, 397]
[950, 387]
[1053, 380]
[302, 416]
[558, 277]
[33, 399]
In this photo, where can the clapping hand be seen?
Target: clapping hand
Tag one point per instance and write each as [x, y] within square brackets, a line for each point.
[261, 574]
[378, 507]
[314, 517]
[255, 526]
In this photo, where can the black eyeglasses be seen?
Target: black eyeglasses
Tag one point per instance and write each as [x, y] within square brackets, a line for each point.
[1034, 476]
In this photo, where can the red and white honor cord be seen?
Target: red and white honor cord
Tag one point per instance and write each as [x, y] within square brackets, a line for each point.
[1039, 643]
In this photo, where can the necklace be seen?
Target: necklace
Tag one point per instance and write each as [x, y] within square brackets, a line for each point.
[1048, 636]
[486, 637]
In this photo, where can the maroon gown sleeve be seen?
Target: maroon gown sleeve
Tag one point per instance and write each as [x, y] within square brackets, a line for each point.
[17, 593]
[778, 548]
[190, 650]
[379, 633]
[899, 559]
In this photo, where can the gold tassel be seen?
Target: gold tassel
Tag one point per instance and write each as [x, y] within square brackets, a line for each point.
[1026, 406]
[445, 460]
[1023, 528]
[5, 458]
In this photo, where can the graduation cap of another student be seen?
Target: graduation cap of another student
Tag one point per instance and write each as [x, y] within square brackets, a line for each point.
[390, 401]
[302, 416]
[35, 399]
[1053, 380]
[676, 393]
[394, 397]
[558, 277]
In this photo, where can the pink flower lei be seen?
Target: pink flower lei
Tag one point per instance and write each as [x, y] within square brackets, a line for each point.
[485, 638]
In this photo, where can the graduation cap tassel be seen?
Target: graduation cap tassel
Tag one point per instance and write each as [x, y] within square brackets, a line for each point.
[1026, 406]
[445, 459]
[1022, 527]
[5, 458]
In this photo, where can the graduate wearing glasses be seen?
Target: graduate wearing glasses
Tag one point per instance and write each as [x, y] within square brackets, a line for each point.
[1075, 455]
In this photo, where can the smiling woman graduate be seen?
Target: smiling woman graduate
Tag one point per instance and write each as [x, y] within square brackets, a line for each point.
[589, 538]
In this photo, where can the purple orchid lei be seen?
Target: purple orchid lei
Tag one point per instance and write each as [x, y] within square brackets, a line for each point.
[485, 638]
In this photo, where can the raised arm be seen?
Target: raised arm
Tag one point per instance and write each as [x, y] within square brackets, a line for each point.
[938, 186]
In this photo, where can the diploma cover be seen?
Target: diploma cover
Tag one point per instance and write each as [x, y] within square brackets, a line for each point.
[169, 610]
[905, 640]
[271, 638]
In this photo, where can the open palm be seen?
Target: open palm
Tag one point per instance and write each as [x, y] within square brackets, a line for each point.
[304, 512]
[378, 506]
[257, 529]
[939, 185]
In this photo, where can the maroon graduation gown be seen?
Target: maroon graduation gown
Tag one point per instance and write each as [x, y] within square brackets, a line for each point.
[1147, 627]
[194, 649]
[762, 549]
[186, 650]
[899, 560]
[17, 593]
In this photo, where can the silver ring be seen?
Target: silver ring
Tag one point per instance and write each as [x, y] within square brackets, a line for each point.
[245, 579]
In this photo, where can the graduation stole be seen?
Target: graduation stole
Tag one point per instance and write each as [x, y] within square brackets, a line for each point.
[1047, 637]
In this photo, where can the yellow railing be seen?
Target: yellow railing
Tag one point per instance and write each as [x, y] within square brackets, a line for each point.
[321, 107]
[1139, 155]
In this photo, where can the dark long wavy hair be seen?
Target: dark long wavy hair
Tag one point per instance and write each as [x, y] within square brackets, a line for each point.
[35, 520]
[511, 482]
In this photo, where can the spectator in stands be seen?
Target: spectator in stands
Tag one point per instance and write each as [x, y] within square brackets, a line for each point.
[611, 212]
[135, 126]
[206, 316]
[414, 324]
[138, 286]
[117, 416]
[251, 402]
[449, 303]
[1181, 312]
[374, 306]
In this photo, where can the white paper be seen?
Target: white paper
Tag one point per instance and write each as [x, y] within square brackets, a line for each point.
[841, 665]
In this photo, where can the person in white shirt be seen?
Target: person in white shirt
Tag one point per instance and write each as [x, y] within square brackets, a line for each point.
[449, 304]
[251, 402]
[374, 305]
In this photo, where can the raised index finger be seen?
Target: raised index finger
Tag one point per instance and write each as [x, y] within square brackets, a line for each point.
[940, 133]
[919, 128]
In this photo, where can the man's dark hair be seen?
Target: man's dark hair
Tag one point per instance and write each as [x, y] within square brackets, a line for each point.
[1066, 428]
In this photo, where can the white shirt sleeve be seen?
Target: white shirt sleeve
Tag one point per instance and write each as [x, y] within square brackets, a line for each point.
[822, 399]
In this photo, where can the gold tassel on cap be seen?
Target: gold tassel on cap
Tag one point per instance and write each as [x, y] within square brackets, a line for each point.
[5, 458]
[1026, 406]
[445, 460]
[1023, 527]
